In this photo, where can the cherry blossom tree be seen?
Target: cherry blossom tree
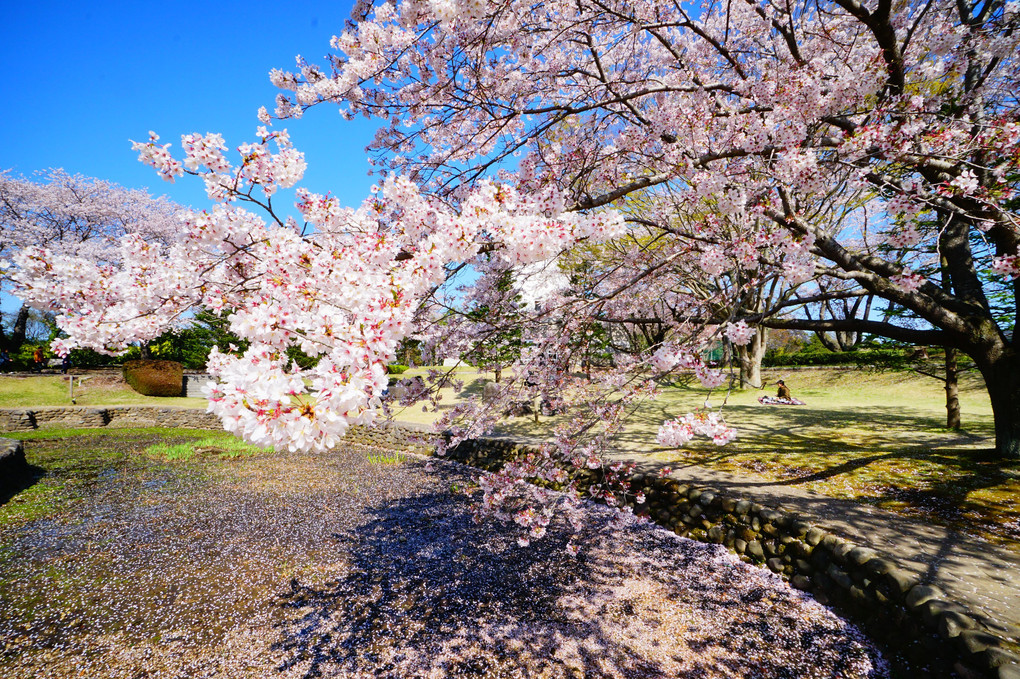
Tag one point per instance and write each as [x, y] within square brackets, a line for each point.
[763, 111]
[75, 215]
[751, 141]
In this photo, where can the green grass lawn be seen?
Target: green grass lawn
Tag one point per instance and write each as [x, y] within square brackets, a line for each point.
[94, 390]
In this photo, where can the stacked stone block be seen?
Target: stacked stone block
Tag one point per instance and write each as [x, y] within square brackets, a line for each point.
[19, 419]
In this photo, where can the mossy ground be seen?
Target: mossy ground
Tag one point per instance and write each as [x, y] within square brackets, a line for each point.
[68, 463]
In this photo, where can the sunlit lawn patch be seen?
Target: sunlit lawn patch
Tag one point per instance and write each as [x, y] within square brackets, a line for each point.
[877, 438]
[219, 445]
[384, 458]
[97, 389]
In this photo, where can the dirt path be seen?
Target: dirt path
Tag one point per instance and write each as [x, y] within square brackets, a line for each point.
[347, 565]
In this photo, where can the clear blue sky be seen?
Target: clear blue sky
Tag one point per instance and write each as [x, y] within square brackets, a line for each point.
[82, 78]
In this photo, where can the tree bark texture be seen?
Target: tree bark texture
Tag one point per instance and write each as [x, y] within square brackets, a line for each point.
[1001, 371]
[750, 357]
[952, 390]
[20, 327]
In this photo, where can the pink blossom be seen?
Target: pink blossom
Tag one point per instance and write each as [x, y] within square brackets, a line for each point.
[1007, 265]
[740, 333]
[907, 281]
[678, 432]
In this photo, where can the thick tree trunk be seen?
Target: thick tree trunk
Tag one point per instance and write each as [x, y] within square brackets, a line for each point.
[20, 327]
[952, 387]
[952, 390]
[499, 373]
[1002, 378]
[750, 358]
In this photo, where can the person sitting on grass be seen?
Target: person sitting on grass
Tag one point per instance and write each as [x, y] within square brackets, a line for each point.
[784, 391]
[783, 397]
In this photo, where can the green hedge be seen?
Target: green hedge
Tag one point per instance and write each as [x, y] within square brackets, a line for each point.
[868, 357]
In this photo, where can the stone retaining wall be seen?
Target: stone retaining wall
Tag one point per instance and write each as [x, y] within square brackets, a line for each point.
[22, 419]
[891, 604]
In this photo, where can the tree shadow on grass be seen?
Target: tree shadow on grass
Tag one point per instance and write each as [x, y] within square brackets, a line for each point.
[950, 491]
[797, 429]
[429, 589]
[473, 386]
[882, 435]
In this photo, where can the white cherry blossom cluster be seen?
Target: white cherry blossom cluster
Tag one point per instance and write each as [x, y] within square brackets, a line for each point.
[346, 295]
[799, 262]
[713, 261]
[966, 182]
[904, 236]
[1007, 265]
[740, 333]
[747, 254]
[680, 431]
[668, 356]
[710, 378]
[105, 307]
[271, 171]
[159, 157]
[205, 151]
[77, 215]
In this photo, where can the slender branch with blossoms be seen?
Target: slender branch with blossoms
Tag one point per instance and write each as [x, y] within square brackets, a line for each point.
[345, 295]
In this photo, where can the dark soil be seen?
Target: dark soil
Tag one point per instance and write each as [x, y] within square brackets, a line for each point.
[121, 565]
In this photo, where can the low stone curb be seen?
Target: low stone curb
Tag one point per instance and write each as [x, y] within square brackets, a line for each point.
[890, 603]
[24, 419]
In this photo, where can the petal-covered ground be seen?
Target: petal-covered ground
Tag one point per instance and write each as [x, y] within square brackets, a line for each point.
[351, 565]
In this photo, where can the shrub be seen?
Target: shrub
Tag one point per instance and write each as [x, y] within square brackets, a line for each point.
[865, 357]
[155, 378]
[396, 368]
[21, 359]
[87, 358]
